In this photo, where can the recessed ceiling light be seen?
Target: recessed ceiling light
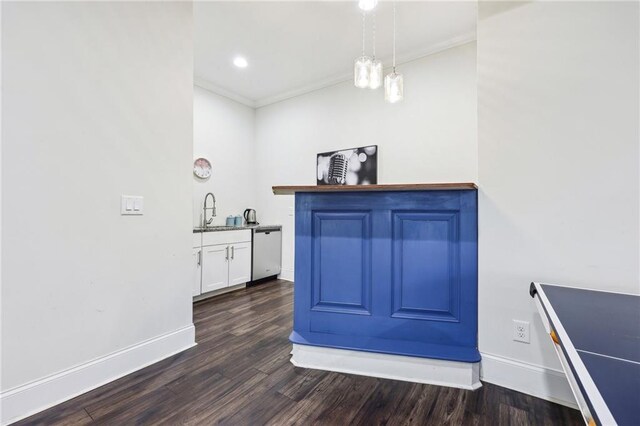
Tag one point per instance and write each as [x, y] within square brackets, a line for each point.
[240, 62]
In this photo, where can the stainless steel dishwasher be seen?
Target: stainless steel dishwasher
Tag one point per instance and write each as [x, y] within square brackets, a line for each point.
[267, 252]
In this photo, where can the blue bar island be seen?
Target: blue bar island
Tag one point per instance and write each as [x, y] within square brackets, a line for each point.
[386, 281]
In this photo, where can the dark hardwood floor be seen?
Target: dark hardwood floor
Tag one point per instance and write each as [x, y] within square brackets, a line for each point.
[240, 374]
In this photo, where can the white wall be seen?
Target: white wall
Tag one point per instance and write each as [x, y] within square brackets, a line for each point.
[223, 134]
[97, 102]
[558, 138]
[430, 137]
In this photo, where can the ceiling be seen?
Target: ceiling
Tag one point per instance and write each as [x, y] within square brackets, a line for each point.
[294, 47]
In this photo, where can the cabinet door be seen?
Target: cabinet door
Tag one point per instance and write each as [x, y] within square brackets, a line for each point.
[197, 271]
[240, 263]
[215, 267]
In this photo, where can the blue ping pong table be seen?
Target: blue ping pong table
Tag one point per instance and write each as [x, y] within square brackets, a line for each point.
[596, 335]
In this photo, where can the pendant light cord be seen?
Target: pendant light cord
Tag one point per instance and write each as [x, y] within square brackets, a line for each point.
[363, 32]
[394, 37]
[373, 32]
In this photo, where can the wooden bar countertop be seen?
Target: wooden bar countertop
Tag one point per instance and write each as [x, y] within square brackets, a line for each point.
[449, 186]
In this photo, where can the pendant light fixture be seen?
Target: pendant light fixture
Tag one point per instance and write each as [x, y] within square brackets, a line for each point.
[362, 66]
[367, 5]
[393, 82]
[375, 74]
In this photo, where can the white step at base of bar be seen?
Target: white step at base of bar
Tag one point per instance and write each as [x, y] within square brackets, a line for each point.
[463, 375]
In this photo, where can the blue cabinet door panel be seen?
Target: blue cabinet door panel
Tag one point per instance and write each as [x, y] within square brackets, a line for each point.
[390, 272]
[341, 266]
[426, 280]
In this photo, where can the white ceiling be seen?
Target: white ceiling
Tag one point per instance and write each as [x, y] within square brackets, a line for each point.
[295, 47]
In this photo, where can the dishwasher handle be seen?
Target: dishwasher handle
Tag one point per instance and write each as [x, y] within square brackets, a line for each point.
[267, 229]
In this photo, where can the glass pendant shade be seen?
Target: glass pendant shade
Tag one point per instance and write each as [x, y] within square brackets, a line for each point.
[362, 71]
[367, 5]
[375, 74]
[393, 88]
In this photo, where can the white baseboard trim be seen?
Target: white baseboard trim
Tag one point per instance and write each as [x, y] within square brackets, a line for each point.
[218, 292]
[286, 274]
[462, 375]
[541, 382]
[31, 398]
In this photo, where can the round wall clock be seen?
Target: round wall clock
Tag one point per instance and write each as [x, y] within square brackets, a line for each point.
[202, 168]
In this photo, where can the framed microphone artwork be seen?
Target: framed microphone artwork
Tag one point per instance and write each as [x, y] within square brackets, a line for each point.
[353, 166]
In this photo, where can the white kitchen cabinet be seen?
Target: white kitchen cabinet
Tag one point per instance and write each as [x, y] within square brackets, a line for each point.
[239, 263]
[226, 237]
[225, 260]
[197, 240]
[197, 271]
[215, 267]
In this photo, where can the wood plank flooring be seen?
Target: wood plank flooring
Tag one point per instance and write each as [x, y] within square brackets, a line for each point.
[240, 374]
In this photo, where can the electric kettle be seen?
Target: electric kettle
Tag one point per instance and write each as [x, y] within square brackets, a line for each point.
[250, 217]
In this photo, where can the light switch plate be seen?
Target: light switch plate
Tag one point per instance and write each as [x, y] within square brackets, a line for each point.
[131, 205]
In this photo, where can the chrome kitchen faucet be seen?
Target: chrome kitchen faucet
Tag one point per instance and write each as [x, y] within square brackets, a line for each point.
[205, 208]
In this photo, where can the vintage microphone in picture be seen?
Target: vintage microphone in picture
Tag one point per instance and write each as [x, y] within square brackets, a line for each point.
[338, 165]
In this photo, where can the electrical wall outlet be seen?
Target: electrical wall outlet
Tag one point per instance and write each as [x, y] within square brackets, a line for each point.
[521, 331]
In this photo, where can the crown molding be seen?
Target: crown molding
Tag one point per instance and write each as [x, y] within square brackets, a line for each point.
[417, 54]
[403, 59]
[207, 85]
[331, 81]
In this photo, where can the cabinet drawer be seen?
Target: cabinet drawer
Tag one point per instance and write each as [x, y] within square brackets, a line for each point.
[197, 239]
[226, 237]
